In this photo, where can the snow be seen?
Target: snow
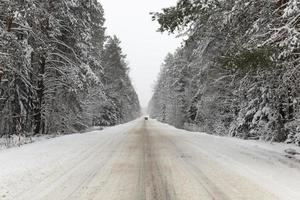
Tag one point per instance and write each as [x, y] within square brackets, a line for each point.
[18, 140]
[265, 164]
[28, 165]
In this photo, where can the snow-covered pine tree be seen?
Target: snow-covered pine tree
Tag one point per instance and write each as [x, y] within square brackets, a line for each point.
[51, 69]
[243, 67]
[16, 91]
[121, 95]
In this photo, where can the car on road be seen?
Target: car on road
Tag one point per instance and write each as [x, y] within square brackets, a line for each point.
[146, 118]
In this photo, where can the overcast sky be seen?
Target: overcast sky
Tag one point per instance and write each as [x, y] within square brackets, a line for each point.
[145, 48]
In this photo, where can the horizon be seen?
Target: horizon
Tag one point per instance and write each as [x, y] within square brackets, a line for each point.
[137, 31]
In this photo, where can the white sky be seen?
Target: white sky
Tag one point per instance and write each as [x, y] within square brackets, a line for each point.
[145, 48]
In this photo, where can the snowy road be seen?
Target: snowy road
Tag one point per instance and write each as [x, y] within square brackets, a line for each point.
[146, 160]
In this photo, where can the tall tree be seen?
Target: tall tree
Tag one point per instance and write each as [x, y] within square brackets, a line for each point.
[243, 66]
[52, 69]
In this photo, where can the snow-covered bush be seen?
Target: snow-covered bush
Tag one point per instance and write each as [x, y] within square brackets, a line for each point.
[293, 129]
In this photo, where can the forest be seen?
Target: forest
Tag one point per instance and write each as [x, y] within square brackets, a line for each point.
[59, 71]
[237, 72]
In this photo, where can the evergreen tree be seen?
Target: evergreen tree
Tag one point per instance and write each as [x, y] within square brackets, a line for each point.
[52, 69]
[243, 67]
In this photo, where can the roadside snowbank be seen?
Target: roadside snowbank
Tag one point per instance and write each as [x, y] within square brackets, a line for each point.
[266, 164]
[30, 164]
[19, 140]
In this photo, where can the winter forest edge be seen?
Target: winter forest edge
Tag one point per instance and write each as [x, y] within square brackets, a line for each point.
[59, 72]
[236, 74]
[238, 71]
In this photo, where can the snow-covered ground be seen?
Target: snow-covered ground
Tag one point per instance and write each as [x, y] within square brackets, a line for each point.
[266, 164]
[148, 160]
[24, 167]
[19, 140]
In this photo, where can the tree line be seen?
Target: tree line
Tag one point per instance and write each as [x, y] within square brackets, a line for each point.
[59, 71]
[237, 72]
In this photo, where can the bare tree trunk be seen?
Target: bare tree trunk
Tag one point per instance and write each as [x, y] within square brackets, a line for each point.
[38, 118]
[9, 22]
[16, 110]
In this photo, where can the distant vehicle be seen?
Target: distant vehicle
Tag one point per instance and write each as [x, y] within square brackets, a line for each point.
[146, 118]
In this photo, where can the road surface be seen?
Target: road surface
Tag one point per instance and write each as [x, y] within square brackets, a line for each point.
[146, 160]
